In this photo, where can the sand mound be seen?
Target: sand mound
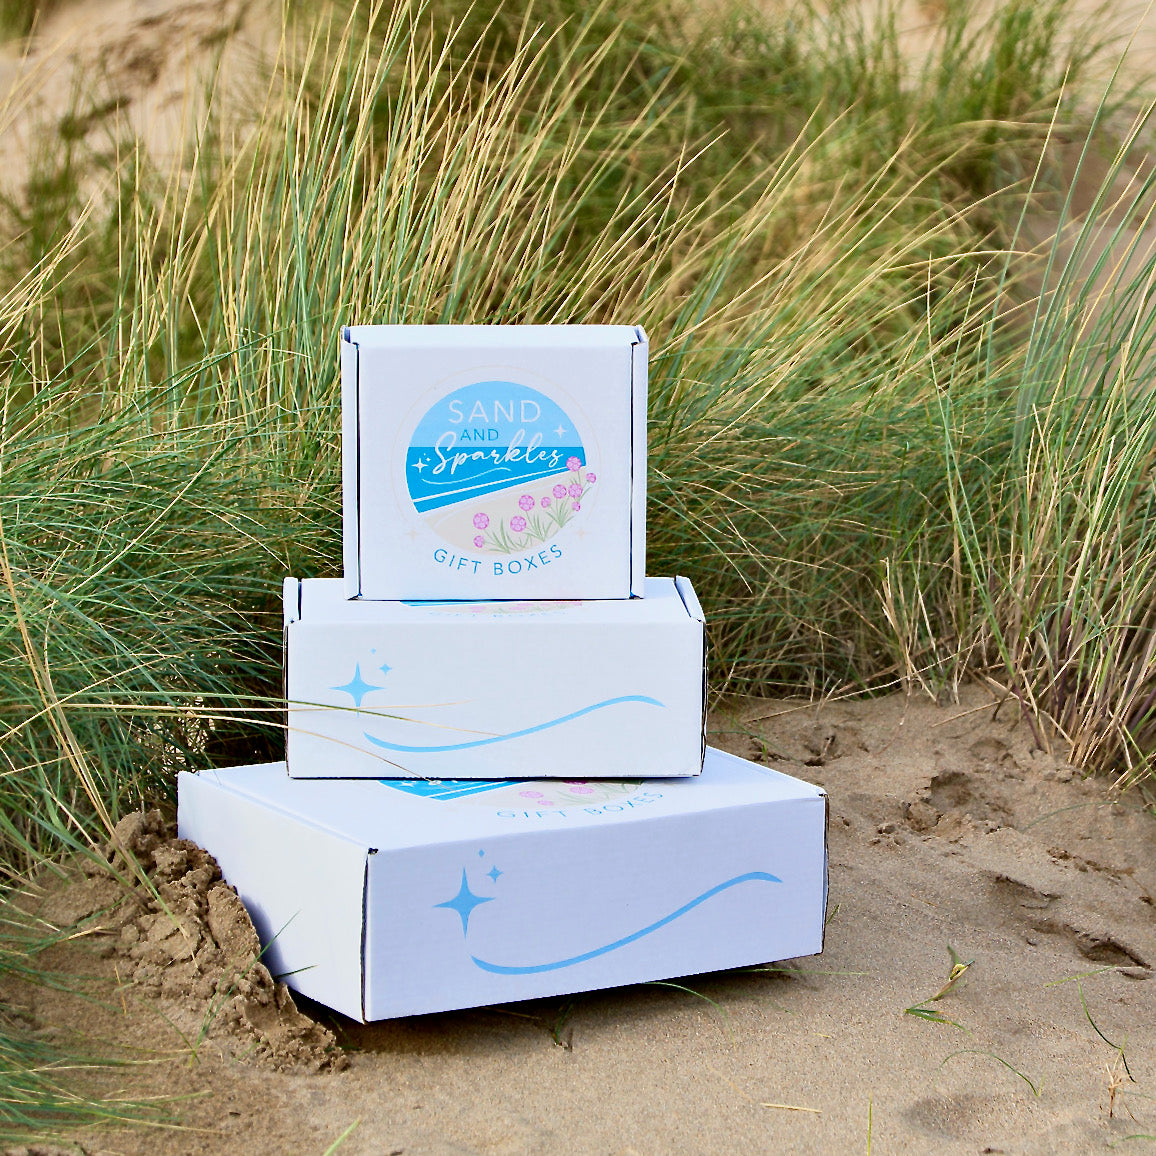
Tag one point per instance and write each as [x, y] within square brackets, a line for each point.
[194, 947]
[977, 818]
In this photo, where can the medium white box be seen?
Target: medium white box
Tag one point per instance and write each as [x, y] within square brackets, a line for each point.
[494, 461]
[486, 690]
[384, 899]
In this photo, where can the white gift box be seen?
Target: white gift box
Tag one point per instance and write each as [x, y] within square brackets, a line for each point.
[493, 461]
[384, 899]
[484, 690]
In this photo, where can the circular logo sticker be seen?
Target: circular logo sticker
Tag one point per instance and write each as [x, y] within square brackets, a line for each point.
[521, 794]
[498, 468]
[493, 609]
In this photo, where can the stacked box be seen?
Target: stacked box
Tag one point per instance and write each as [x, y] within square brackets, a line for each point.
[389, 898]
[494, 784]
[494, 461]
[478, 690]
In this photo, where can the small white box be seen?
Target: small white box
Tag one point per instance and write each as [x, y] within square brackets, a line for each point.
[494, 461]
[486, 690]
[385, 899]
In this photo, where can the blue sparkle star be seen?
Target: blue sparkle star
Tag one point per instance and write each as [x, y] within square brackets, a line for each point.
[385, 668]
[464, 902]
[357, 688]
[493, 873]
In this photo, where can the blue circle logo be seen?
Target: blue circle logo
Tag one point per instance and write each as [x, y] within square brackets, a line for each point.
[496, 467]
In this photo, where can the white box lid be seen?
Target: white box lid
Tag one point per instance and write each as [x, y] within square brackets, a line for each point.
[381, 814]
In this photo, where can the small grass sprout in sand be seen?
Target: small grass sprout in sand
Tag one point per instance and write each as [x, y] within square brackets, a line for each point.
[561, 1023]
[342, 1138]
[955, 977]
[1037, 1086]
[723, 1014]
[767, 1103]
[1119, 1080]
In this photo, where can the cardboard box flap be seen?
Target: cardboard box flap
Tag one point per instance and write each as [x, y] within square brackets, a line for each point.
[639, 386]
[392, 813]
[291, 598]
[493, 336]
[350, 469]
[689, 599]
[309, 911]
[324, 601]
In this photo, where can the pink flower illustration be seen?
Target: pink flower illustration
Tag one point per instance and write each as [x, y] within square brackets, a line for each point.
[479, 541]
[559, 491]
[545, 503]
[481, 521]
[582, 790]
[526, 502]
[573, 464]
[592, 477]
[576, 506]
[517, 523]
[575, 491]
[530, 794]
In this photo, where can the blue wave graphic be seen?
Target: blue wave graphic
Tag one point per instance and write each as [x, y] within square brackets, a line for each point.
[513, 734]
[533, 969]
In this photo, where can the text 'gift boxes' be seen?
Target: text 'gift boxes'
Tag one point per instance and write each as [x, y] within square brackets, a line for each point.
[483, 690]
[494, 461]
[385, 899]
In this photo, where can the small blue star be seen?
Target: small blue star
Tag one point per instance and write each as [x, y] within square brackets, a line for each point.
[493, 873]
[385, 668]
[464, 902]
[357, 688]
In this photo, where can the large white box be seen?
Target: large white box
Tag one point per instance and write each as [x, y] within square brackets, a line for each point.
[486, 690]
[384, 899]
[494, 461]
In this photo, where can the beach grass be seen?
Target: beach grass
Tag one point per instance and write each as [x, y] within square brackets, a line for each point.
[898, 435]
[892, 441]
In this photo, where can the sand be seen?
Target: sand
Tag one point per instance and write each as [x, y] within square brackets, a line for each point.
[949, 829]
[103, 72]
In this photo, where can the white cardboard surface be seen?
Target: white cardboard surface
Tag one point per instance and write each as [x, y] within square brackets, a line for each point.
[304, 886]
[450, 895]
[592, 689]
[491, 461]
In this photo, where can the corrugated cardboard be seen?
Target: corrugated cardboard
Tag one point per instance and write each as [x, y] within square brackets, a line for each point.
[494, 461]
[391, 898]
[480, 690]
